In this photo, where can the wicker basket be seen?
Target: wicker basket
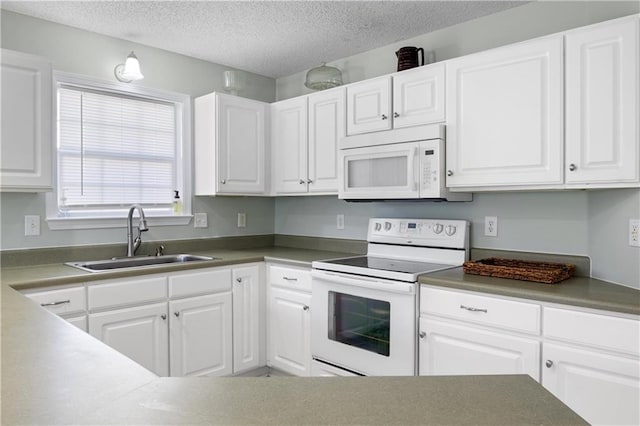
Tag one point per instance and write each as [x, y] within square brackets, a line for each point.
[525, 270]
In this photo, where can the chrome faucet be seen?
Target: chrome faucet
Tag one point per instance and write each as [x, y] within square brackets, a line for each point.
[134, 244]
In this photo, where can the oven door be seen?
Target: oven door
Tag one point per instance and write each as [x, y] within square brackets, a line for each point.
[383, 171]
[364, 324]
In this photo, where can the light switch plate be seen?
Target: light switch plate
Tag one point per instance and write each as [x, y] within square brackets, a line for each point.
[31, 225]
[200, 220]
[340, 221]
[242, 220]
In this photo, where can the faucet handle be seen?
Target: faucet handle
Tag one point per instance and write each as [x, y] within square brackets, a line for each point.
[160, 251]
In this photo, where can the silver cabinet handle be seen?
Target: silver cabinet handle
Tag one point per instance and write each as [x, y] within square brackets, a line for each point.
[302, 182]
[305, 308]
[177, 314]
[572, 167]
[239, 280]
[163, 316]
[61, 302]
[223, 181]
[449, 172]
[422, 334]
[384, 117]
[549, 363]
[309, 181]
[289, 279]
[396, 115]
[469, 308]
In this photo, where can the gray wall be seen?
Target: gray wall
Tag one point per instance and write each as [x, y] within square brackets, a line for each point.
[591, 223]
[82, 52]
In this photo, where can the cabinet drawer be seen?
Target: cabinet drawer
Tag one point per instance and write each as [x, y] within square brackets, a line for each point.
[601, 331]
[290, 277]
[481, 310]
[61, 301]
[127, 292]
[202, 282]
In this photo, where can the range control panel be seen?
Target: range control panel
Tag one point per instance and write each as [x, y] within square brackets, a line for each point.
[420, 232]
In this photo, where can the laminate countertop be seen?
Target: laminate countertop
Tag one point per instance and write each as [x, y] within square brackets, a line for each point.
[53, 373]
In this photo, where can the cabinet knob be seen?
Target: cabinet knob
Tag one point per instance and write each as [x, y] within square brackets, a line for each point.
[223, 181]
[396, 115]
[549, 363]
[305, 307]
[302, 182]
[449, 172]
[309, 181]
[422, 334]
[177, 314]
[239, 280]
[384, 117]
[572, 167]
[163, 316]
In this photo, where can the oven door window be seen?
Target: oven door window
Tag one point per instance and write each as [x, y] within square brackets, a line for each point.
[360, 322]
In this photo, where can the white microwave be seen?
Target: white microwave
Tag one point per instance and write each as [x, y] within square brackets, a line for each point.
[396, 170]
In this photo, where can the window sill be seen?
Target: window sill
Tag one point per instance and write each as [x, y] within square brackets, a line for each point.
[65, 223]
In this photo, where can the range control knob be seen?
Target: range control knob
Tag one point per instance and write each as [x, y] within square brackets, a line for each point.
[377, 226]
[450, 230]
[437, 228]
[387, 226]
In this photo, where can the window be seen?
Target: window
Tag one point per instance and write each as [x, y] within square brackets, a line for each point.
[118, 145]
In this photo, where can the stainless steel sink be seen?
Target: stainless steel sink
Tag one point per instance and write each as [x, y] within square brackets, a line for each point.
[136, 262]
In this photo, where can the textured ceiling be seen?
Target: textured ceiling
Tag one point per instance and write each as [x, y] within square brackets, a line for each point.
[272, 38]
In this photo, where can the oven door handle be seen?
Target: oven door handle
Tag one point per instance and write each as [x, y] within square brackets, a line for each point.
[366, 282]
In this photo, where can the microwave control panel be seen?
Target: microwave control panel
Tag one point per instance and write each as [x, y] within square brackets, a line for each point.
[431, 166]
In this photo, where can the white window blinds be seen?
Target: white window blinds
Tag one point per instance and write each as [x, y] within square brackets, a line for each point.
[114, 150]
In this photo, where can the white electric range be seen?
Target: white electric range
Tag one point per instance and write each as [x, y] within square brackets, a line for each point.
[364, 308]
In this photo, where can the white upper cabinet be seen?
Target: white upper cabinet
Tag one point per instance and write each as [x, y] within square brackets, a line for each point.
[305, 136]
[369, 106]
[404, 99]
[289, 141]
[230, 136]
[505, 116]
[326, 127]
[418, 96]
[602, 136]
[26, 163]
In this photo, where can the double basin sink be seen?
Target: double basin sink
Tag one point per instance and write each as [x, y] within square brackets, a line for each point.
[137, 262]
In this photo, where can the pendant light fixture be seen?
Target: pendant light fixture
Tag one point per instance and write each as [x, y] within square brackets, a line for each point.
[130, 70]
[323, 77]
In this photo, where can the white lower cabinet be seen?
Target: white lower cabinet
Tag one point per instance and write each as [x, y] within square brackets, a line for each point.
[200, 335]
[140, 333]
[289, 314]
[447, 348]
[248, 309]
[78, 321]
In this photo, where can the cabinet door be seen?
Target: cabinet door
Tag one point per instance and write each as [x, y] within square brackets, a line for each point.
[141, 333]
[289, 141]
[603, 388]
[369, 106]
[452, 349]
[326, 127]
[201, 339]
[246, 318]
[505, 116]
[79, 321]
[603, 142]
[418, 96]
[27, 123]
[241, 145]
[290, 328]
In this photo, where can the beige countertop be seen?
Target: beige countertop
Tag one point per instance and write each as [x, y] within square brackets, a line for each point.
[577, 291]
[53, 373]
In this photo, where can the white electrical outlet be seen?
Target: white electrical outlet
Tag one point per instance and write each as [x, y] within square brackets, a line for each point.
[31, 225]
[491, 226]
[242, 220]
[634, 232]
[340, 221]
[200, 220]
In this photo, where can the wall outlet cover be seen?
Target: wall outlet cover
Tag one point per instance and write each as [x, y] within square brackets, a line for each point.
[634, 232]
[491, 226]
[242, 220]
[340, 221]
[200, 220]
